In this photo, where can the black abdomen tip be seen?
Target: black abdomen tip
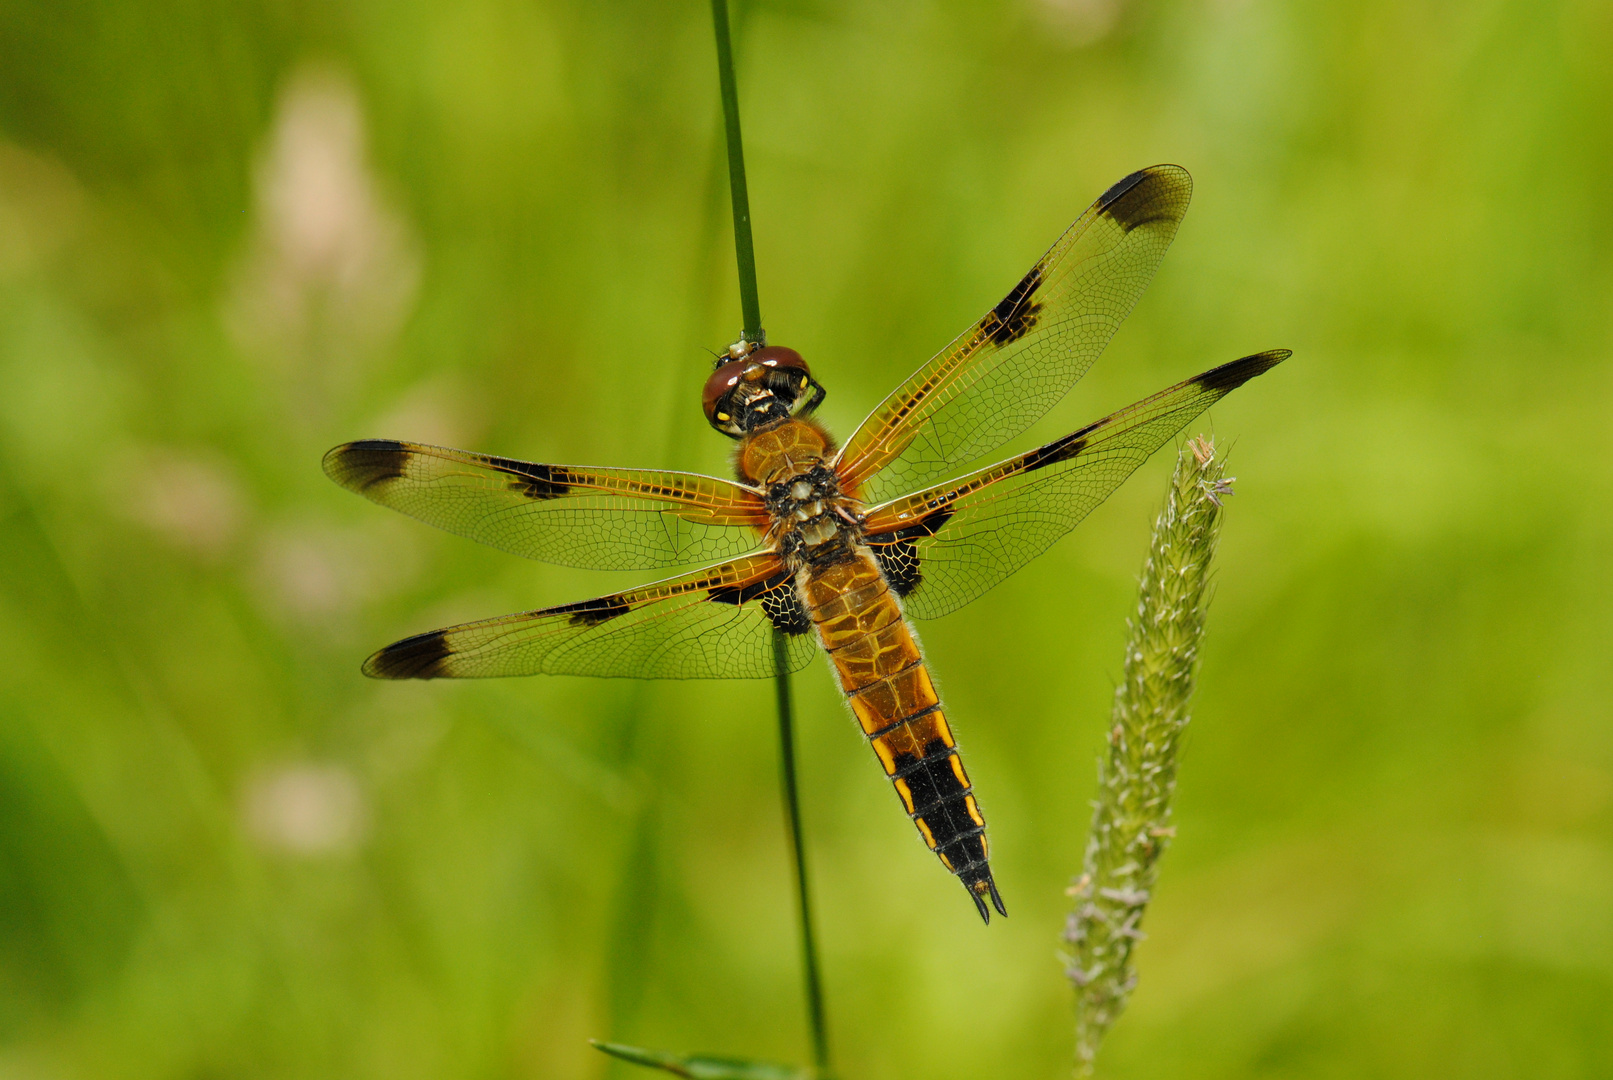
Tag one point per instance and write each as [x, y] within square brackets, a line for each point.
[980, 886]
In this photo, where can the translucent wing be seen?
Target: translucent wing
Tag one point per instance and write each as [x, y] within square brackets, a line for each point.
[715, 623]
[596, 519]
[1002, 374]
[944, 547]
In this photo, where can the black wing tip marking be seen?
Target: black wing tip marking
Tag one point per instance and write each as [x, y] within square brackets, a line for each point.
[363, 463]
[1221, 380]
[1228, 377]
[533, 480]
[1175, 174]
[1120, 187]
[418, 657]
[592, 612]
[1157, 193]
[389, 445]
[980, 886]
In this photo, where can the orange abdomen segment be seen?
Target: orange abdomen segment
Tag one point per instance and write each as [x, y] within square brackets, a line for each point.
[883, 675]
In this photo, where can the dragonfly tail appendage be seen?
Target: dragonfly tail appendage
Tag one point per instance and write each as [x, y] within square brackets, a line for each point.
[890, 691]
[980, 888]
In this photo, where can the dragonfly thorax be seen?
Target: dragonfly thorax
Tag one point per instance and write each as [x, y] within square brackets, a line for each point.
[812, 520]
[781, 452]
[801, 497]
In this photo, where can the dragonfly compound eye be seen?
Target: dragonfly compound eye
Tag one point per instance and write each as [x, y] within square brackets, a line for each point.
[718, 397]
[779, 358]
[773, 372]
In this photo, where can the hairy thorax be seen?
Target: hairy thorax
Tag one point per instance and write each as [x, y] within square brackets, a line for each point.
[813, 522]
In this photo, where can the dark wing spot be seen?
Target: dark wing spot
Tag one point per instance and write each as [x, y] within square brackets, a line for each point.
[928, 525]
[534, 481]
[1229, 377]
[779, 602]
[418, 657]
[1058, 450]
[744, 594]
[592, 612]
[897, 552]
[899, 562]
[1120, 187]
[784, 608]
[1016, 314]
[359, 465]
[1146, 196]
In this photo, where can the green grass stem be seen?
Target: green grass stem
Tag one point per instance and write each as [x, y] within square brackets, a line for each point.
[745, 253]
[792, 812]
[744, 248]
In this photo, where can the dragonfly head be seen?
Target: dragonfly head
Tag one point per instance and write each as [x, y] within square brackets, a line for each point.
[758, 389]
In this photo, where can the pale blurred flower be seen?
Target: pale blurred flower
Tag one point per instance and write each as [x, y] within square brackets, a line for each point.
[1080, 22]
[330, 271]
[306, 809]
[41, 206]
[438, 412]
[316, 575]
[192, 502]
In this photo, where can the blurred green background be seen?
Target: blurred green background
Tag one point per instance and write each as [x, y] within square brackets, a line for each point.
[233, 235]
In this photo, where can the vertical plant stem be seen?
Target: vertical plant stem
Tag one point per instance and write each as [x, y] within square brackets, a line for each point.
[745, 253]
[744, 249]
[792, 813]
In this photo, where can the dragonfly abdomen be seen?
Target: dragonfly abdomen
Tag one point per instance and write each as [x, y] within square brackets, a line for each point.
[883, 674]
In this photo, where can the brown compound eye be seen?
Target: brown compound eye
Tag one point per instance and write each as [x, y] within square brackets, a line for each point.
[718, 387]
[778, 371]
[777, 356]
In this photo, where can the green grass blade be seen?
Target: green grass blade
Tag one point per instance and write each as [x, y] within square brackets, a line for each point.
[701, 1067]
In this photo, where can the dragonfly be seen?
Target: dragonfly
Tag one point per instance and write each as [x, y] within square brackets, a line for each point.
[822, 546]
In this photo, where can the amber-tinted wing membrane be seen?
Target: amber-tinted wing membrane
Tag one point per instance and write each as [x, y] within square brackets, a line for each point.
[715, 623]
[944, 547]
[1002, 374]
[596, 519]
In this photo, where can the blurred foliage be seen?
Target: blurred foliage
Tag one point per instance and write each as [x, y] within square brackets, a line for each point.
[233, 235]
[695, 1067]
